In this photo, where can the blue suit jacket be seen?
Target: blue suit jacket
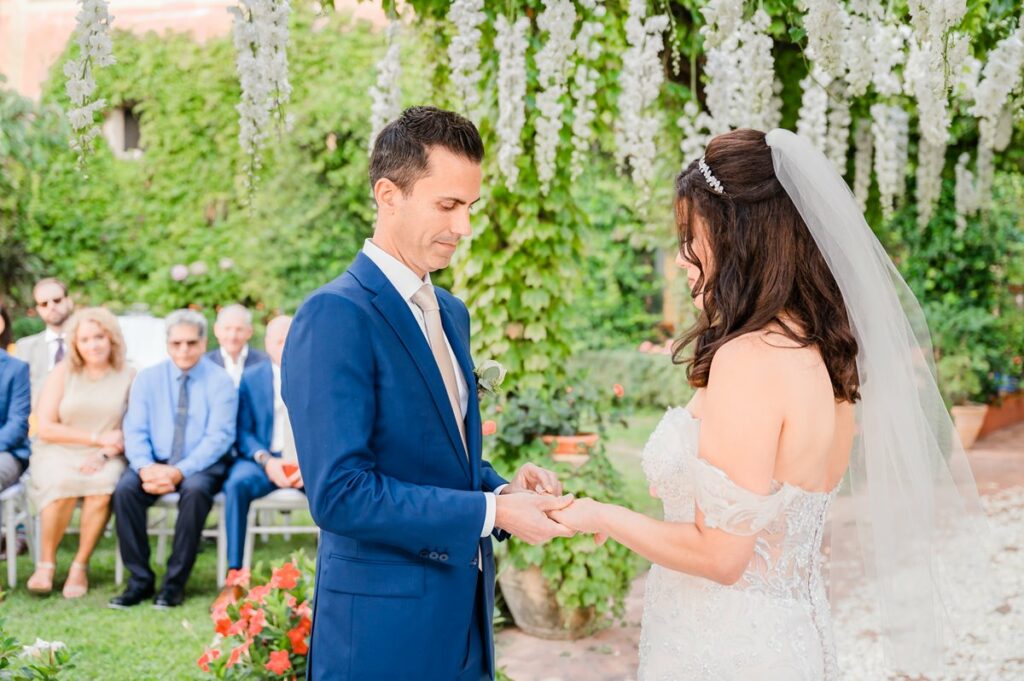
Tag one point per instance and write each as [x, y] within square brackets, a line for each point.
[255, 410]
[389, 483]
[15, 405]
[254, 358]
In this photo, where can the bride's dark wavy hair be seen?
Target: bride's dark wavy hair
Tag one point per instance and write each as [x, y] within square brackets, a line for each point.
[764, 263]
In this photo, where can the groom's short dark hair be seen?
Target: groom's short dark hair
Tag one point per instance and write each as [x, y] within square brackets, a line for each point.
[401, 149]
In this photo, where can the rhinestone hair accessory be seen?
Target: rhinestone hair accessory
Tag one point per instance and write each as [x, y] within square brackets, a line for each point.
[709, 177]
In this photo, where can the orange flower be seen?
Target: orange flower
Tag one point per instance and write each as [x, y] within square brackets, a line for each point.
[279, 662]
[285, 577]
[257, 622]
[206, 658]
[619, 390]
[235, 628]
[237, 652]
[490, 427]
[297, 636]
[304, 610]
[258, 594]
[291, 601]
[238, 578]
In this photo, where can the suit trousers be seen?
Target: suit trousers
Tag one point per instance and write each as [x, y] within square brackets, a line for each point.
[131, 503]
[246, 482]
[475, 666]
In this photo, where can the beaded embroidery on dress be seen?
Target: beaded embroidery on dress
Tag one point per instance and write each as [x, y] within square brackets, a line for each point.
[774, 623]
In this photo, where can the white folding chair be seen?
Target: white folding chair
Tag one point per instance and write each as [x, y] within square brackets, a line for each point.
[284, 500]
[14, 509]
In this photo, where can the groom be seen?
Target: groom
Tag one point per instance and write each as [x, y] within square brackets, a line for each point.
[379, 385]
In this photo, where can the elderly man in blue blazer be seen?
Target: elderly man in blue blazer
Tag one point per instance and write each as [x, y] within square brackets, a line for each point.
[379, 384]
[265, 444]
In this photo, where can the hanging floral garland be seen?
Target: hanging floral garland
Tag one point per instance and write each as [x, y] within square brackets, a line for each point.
[464, 49]
[386, 93]
[92, 33]
[584, 86]
[553, 61]
[511, 44]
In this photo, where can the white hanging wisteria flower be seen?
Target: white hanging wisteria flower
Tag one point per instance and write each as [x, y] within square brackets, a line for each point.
[511, 44]
[464, 49]
[92, 34]
[931, 158]
[812, 119]
[553, 60]
[837, 139]
[742, 90]
[887, 41]
[1000, 77]
[863, 143]
[637, 126]
[890, 127]
[857, 58]
[966, 193]
[932, 18]
[588, 49]
[824, 25]
[925, 80]
[697, 128]
[722, 18]
[260, 33]
[386, 93]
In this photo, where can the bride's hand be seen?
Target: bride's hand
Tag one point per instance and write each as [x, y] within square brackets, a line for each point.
[582, 515]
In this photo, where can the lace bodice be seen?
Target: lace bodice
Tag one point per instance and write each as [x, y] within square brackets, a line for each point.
[783, 578]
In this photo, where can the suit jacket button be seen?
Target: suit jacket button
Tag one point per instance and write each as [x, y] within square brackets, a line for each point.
[443, 557]
[433, 555]
[424, 553]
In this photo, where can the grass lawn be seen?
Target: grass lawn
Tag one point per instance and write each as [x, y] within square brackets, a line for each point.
[144, 644]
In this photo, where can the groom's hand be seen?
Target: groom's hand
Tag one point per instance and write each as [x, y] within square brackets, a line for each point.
[524, 515]
[533, 478]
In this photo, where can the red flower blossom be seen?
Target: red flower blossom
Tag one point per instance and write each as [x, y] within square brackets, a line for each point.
[291, 601]
[619, 390]
[235, 628]
[297, 636]
[237, 652]
[304, 610]
[238, 578]
[258, 594]
[285, 577]
[490, 427]
[279, 662]
[206, 658]
[221, 620]
[257, 622]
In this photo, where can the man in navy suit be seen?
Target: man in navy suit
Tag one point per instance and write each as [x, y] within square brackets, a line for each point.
[15, 404]
[378, 380]
[233, 330]
[265, 445]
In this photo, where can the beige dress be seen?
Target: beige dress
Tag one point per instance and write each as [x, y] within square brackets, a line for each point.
[92, 405]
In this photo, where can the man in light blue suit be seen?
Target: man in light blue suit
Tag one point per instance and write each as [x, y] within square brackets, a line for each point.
[378, 380]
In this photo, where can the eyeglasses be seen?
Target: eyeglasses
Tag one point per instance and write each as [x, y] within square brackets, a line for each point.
[47, 303]
[192, 342]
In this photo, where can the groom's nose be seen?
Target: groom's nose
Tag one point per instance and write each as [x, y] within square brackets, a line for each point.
[462, 226]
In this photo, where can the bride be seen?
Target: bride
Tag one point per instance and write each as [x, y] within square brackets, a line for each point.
[812, 365]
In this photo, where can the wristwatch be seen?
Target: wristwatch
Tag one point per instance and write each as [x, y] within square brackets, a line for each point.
[262, 457]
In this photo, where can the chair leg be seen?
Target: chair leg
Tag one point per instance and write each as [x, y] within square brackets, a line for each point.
[250, 535]
[222, 547]
[118, 563]
[161, 538]
[287, 517]
[264, 516]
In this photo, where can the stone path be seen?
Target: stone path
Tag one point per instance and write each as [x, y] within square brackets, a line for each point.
[998, 464]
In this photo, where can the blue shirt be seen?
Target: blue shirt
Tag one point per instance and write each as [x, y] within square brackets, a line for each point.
[209, 429]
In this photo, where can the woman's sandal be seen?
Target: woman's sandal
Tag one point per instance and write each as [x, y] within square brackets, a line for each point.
[77, 590]
[41, 581]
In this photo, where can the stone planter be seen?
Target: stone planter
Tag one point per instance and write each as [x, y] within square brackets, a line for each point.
[535, 609]
[574, 449]
[969, 419]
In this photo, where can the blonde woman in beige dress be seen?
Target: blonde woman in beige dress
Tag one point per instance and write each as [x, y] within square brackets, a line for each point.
[80, 450]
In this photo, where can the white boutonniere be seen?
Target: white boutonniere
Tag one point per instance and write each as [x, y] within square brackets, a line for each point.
[489, 376]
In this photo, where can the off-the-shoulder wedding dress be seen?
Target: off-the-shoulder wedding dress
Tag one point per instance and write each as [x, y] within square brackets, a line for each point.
[773, 623]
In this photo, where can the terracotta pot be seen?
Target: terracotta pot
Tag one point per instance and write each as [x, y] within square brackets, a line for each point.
[574, 449]
[969, 419]
[535, 609]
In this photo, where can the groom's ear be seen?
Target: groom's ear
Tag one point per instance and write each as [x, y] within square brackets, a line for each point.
[386, 193]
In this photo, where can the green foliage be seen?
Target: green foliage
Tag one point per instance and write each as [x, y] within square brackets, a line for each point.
[650, 379]
[42, 661]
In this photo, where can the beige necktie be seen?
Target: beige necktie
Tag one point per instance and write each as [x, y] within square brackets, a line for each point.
[426, 300]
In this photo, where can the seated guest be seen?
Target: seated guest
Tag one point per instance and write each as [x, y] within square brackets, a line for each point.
[77, 454]
[15, 401]
[45, 349]
[178, 433]
[15, 405]
[233, 330]
[266, 451]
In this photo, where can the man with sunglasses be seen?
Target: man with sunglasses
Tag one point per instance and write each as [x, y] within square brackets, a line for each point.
[43, 350]
[178, 433]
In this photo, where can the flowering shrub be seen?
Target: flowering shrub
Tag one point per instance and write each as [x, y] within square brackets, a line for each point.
[265, 634]
[41, 661]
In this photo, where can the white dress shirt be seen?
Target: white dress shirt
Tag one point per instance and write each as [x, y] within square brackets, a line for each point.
[234, 368]
[407, 284]
[282, 423]
[52, 343]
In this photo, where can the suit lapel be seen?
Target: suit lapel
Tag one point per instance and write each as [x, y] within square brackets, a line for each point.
[399, 317]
